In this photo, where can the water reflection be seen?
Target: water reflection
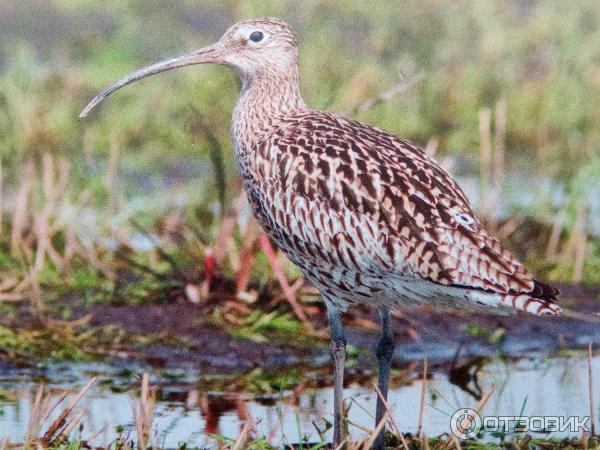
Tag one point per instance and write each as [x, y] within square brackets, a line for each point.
[466, 375]
[539, 386]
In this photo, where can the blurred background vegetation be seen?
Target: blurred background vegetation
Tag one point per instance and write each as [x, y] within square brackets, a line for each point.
[141, 201]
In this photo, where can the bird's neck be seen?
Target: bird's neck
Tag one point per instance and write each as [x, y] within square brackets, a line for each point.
[265, 99]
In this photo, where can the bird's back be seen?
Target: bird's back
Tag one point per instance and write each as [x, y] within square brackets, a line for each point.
[370, 218]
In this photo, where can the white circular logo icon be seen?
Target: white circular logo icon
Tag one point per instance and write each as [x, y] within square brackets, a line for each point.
[465, 423]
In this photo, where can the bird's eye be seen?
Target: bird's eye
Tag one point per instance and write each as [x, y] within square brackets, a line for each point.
[257, 36]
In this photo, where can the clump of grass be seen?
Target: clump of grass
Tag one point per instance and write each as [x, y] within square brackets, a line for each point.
[51, 342]
[42, 434]
[258, 326]
[493, 336]
[76, 342]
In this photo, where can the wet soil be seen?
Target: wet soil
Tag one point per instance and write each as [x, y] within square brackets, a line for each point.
[183, 340]
[444, 338]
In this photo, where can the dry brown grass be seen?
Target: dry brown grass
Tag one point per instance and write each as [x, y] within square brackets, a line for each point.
[143, 414]
[59, 429]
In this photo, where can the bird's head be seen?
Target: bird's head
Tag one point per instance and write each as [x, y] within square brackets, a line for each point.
[257, 45]
[249, 48]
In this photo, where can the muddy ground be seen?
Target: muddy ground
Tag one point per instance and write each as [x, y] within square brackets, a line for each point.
[441, 337]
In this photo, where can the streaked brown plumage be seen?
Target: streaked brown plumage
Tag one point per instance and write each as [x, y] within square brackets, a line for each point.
[363, 213]
[368, 217]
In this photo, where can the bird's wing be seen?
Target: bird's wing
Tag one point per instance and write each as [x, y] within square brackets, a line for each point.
[394, 205]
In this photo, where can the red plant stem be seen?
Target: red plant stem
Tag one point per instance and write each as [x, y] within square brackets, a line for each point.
[278, 271]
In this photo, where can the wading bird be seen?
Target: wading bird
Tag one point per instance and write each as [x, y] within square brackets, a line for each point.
[368, 217]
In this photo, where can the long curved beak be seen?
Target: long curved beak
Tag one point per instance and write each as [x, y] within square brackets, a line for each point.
[212, 54]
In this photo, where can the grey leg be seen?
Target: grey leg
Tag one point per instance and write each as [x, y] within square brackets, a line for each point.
[385, 350]
[337, 348]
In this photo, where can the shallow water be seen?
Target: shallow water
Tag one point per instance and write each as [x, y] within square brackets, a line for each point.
[536, 385]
